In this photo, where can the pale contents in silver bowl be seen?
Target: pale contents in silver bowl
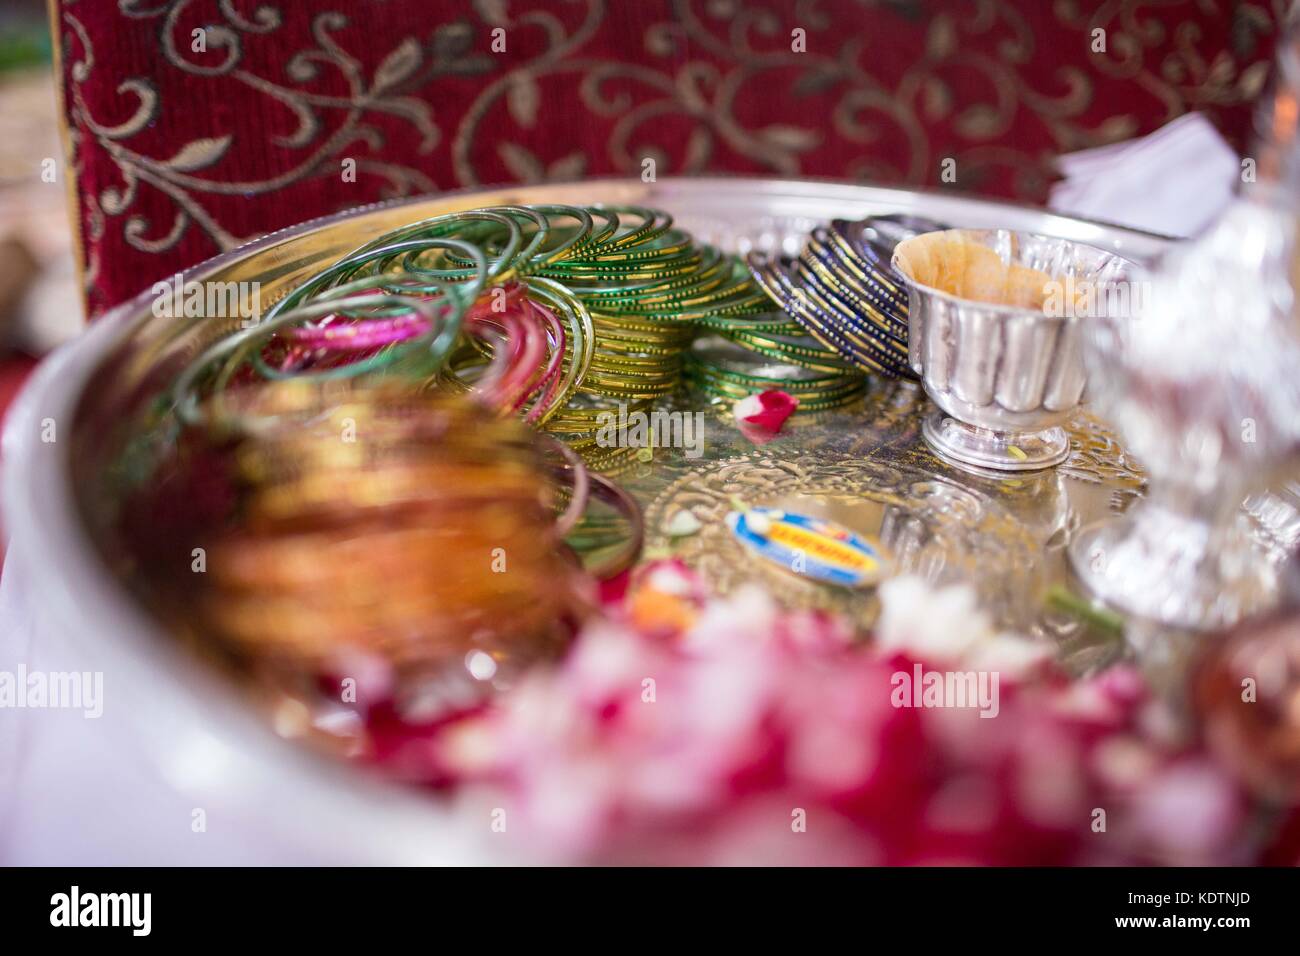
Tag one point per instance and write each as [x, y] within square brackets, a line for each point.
[995, 331]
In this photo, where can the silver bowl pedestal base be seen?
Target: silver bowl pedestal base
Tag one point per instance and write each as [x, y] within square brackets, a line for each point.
[984, 450]
[1175, 566]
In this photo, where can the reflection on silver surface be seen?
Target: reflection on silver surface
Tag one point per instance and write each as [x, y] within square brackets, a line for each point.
[1205, 385]
[1276, 516]
[929, 524]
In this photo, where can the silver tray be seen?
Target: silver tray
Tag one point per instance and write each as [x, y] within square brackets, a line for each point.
[866, 465]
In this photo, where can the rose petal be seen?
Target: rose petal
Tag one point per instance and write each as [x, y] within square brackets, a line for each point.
[764, 414]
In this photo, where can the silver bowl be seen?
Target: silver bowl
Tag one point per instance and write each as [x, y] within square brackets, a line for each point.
[1005, 377]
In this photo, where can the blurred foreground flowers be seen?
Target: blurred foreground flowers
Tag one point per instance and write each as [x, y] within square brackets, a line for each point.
[683, 729]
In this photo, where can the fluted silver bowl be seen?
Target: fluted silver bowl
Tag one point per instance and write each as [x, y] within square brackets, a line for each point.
[1006, 377]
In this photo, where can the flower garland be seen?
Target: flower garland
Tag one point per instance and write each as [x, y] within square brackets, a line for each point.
[687, 729]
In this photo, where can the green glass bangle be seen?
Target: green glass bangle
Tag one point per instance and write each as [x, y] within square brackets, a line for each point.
[233, 349]
[740, 388]
[438, 346]
[803, 350]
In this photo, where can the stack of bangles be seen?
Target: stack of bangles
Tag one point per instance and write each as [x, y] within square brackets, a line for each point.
[726, 372]
[342, 544]
[566, 313]
[431, 313]
[645, 287]
[441, 390]
[440, 343]
[351, 500]
[781, 355]
[844, 293]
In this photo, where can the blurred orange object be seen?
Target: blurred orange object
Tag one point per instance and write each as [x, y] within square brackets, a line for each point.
[417, 527]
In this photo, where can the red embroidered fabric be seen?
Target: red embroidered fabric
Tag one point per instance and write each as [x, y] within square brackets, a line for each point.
[198, 124]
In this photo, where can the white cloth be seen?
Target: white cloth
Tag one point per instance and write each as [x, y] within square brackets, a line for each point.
[78, 791]
[1174, 181]
[82, 791]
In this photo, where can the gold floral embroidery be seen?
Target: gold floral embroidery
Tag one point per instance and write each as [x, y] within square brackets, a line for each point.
[196, 168]
[687, 100]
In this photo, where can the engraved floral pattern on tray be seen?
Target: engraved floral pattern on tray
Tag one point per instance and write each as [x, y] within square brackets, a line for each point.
[929, 525]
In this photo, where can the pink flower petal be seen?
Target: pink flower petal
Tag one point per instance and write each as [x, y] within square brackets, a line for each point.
[723, 744]
[761, 416]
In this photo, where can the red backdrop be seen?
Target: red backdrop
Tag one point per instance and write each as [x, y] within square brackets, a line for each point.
[180, 152]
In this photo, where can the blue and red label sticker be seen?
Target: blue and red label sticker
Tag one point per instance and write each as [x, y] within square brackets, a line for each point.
[812, 547]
